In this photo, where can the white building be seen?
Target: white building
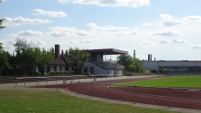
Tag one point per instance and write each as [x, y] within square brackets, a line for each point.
[98, 66]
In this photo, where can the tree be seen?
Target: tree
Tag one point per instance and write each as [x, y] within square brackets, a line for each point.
[130, 64]
[1, 48]
[136, 66]
[28, 58]
[126, 61]
[79, 58]
[3, 59]
[44, 59]
[1, 20]
[20, 48]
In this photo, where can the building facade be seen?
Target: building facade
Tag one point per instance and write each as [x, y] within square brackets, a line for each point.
[174, 67]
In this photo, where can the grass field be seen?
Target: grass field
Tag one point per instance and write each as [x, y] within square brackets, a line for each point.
[187, 81]
[26, 101]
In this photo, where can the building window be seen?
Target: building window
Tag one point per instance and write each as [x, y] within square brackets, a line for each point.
[55, 68]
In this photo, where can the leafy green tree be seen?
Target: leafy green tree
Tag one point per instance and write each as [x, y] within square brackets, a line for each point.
[126, 61]
[20, 48]
[130, 64]
[79, 58]
[3, 59]
[1, 48]
[44, 59]
[28, 58]
[1, 20]
[136, 66]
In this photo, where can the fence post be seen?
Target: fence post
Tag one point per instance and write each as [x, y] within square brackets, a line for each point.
[170, 97]
[15, 83]
[24, 82]
[47, 81]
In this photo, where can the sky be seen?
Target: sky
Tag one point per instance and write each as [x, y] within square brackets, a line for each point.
[167, 29]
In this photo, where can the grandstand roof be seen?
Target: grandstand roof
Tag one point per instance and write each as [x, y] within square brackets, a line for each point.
[108, 51]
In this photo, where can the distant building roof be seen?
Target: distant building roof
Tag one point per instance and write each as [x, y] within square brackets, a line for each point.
[60, 61]
[108, 51]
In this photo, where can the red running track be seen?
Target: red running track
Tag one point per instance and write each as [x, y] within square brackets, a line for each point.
[184, 98]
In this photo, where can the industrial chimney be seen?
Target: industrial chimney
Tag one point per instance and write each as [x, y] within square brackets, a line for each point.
[57, 51]
[134, 55]
[149, 57]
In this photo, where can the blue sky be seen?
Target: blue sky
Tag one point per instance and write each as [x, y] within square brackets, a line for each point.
[167, 29]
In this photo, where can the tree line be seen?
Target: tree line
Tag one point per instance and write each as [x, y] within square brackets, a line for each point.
[26, 59]
[29, 60]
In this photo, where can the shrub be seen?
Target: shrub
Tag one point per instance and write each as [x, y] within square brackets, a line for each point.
[154, 71]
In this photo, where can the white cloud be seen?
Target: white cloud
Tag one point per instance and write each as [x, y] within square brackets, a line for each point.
[147, 24]
[49, 13]
[166, 16]
[86, 41]
[95, 31]
[26, 33]
[111, 3]
[66, 31]
[192, 18]
[8, 44]
[179, 41]
[113, 30]
[196, 46]
[107, 27]
[168, 20]
[163, 41]
[36, 43]
[167, 33]
[24, 21]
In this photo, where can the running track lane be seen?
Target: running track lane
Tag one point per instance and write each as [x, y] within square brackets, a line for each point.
[155, 96]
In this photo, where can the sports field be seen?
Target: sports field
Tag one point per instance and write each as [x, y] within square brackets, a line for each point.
[181, 81]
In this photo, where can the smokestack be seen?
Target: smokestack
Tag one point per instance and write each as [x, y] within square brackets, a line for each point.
[57, 51]
[134, 56]
[149, 57]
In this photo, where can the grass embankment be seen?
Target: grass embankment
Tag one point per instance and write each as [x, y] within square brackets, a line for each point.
[187, 81]
[21, 101]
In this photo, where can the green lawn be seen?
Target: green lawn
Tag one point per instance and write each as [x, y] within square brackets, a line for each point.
[26, 101]
[190, 81]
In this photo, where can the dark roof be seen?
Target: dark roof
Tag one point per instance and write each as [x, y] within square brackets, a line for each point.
[110, 51]
[59, 61]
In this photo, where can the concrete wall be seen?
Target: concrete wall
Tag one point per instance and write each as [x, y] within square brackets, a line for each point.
[150, 65]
